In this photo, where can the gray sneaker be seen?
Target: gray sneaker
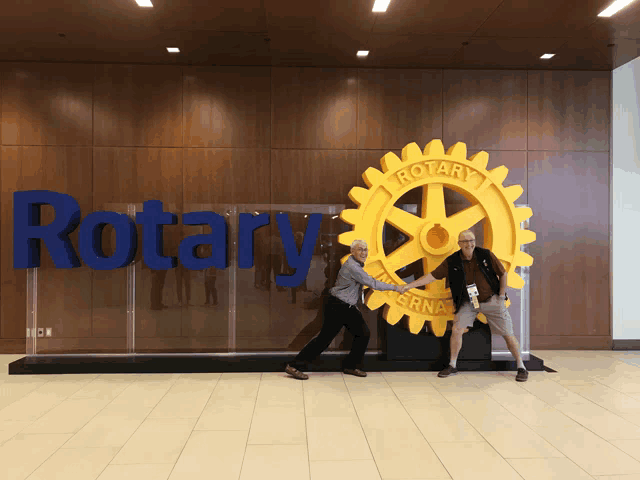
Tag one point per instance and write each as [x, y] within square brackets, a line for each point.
[522, 375]
[447, 372]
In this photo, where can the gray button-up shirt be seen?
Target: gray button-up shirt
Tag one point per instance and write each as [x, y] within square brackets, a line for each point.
[351, 278]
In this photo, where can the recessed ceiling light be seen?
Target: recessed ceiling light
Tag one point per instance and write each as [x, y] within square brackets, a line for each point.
[173, 50]
[381, 5]
[144, 3]
[547, 56]
[614, 8]
[363, 53]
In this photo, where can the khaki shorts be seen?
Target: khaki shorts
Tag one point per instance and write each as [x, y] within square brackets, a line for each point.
[497, 315]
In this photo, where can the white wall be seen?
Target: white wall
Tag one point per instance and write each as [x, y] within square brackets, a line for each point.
[625, 208]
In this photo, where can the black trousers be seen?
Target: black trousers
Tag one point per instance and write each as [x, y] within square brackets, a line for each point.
[336, 315]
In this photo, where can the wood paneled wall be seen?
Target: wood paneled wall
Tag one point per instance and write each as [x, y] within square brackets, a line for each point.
[110, 134]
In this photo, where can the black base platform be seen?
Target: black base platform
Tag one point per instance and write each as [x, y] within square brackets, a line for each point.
[375, 362]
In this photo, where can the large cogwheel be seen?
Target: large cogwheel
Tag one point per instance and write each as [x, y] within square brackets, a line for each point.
[433, 236]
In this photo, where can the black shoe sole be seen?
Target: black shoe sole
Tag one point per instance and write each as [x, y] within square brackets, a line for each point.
[450, 375]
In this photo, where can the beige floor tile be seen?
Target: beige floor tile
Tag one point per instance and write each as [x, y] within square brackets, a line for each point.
[67, 417]
[618, 477]
[590, 452]
[409, 379]
[209, 455]
[140, 395]
[75, 464]
[35, 404]
[107, 430]
[12, 391]
[8, 429]
[548, 469]
[185, 399]
[402, 452]
[602, 422]
[630, 447]
[336, 438]
[443, 424]
[158, 440]
[275, 462]
[277, 426]
[103, 388]
[474, 460]
[227, 414]
[608, 398]
[554, 394]
[136, 472]
[327, 399]
[21, 455]
[280, 392]
[344, 470]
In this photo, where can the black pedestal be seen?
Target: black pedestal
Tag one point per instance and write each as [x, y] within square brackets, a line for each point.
[404, 345]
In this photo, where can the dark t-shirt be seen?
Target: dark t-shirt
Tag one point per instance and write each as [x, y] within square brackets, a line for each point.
[473, 275]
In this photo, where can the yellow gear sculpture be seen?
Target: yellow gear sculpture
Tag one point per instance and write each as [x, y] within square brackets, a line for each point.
[433, 236]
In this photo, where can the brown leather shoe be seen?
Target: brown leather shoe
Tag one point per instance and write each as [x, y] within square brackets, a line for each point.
[355, 371]
[296, 373]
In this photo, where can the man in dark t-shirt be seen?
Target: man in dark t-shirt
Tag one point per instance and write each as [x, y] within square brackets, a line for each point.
[478, 282]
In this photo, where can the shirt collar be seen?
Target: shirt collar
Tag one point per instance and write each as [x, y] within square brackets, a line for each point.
[359, 263]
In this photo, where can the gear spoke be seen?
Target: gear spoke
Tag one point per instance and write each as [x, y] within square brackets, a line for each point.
[433, 202]
[404, 255]
[465, 219]
[406, 222]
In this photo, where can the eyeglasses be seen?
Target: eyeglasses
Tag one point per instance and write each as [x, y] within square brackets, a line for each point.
[466, 241]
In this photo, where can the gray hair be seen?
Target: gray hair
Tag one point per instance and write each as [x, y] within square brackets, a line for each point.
[465, 232]
[357, 243]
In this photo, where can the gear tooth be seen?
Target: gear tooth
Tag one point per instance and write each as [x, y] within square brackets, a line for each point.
[513, 192]
[344, 259]
[411, 152]
[358, 195]
[434, 148]
[480, 159]
[439, 327]
[526, 236]
[499, 174]
[523, 259]
[372, 176]
[375, 299]
[392, 314]
[522, 213]
[458, 151]
[415, 324]
[347, 238]
[351, 216]
[482, 317]
[514, 280]
[390, 162]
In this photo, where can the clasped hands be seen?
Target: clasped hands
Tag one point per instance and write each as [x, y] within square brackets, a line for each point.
[402, 289]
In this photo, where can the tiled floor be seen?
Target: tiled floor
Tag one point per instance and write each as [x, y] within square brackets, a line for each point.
[580, 423]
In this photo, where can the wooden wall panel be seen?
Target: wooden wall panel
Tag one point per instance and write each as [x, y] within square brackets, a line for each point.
[138, 105]
[312, 176]
[569, 110]
[485, 109]
[569, 195]
[65, 296]
[396, 107]
[314, 108]
[227, 107]
[516, 162]
[44, 104]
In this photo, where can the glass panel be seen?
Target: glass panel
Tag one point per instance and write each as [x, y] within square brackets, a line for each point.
[85, 309]
[274, 318]
[519, 311]
[181, 310]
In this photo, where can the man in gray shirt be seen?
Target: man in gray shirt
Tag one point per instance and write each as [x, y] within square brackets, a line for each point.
[342, 310]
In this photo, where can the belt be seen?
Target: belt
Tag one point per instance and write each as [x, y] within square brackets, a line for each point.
[333, 297]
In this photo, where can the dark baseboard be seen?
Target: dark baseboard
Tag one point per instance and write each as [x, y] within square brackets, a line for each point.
[626, 345]
[375, 362]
